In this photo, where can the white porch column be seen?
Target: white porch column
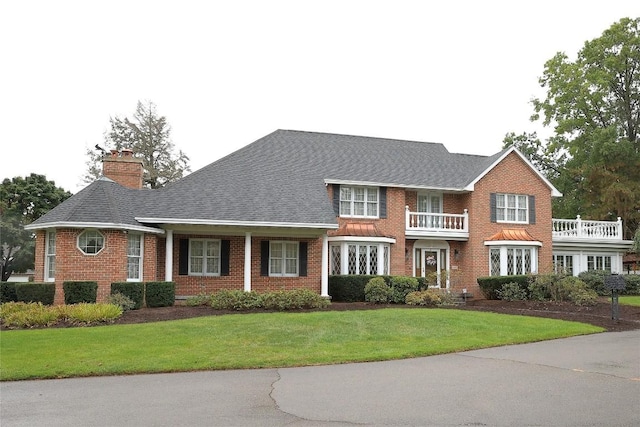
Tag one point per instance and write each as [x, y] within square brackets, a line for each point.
[168, 257]
[247, 262]
[324, 281]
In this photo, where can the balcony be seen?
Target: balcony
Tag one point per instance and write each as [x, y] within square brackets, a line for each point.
[582, 230]
[439, 225]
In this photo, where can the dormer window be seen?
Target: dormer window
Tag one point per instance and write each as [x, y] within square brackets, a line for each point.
[359, 202]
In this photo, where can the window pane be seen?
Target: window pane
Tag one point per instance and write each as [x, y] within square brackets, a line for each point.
[133, 268]
[495, 262]
[373, 260]
[197, 248]
[522, 215]
[511, 201]
[133, 245]
[335, 260]
[527, 260]
[352, 260]
[372, 209]
[510, 262]
[358, 194]
[345, 208]
[500, 200]
[511, 214]
[358, 208]
[362, 256]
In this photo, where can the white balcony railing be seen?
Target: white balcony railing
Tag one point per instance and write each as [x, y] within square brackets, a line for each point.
[437, 222]
[586, 229]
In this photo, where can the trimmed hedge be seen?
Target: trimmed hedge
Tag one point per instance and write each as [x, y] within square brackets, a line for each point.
[160, 294]
[348, 288]
[492, 284]
[632, 284]
[132, 290]
[36, 292]
[8, 292]
[81, 291]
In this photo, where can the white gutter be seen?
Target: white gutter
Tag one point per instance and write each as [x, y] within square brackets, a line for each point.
[176, 221]
[104, 225]
[387, 184]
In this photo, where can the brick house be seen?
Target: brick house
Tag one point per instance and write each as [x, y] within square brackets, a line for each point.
[293, 208]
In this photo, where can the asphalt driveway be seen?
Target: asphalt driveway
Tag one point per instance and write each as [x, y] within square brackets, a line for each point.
[590, 380]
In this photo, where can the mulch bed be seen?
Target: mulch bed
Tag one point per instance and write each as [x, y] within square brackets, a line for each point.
[599, 315]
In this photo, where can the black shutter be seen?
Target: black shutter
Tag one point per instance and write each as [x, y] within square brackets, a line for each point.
[493, 207]
[383, 202]
[532, 209]
[336, 199]
[225, 252]
[303, 258]
[264, 258]
[183, 257]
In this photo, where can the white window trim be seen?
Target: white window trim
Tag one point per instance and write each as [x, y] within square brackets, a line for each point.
[429, 196]
[612, 260]
[284, 273]
[141, 257]
[517, 208]
[366, 202]
[513, 245]
[88, 230]
[204, 257]
[48, 256]
[382, 266]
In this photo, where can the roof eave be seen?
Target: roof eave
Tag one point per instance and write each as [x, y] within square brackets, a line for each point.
[179, 221]
[101, 225]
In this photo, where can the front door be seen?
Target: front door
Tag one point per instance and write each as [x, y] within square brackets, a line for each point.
[429, 261]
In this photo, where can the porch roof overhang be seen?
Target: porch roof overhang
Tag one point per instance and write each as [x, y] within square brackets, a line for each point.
[416, 187]
[592, 244]
[231, 223]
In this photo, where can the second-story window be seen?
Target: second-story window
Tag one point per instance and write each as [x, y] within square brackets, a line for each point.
[359, 201]
[512, 208]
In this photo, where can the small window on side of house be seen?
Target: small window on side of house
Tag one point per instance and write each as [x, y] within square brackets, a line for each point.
[90, 242]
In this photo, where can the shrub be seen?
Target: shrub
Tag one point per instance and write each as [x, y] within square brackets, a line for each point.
[425, 298]
[29, 315]
[132, 290]
[122, 301]
[197, 300]
[377, 291]
[584, 296]
[595, 280]
[290, 300]
[542, 287]
[631, 284]
[348, 288]
[235, 300]
[85, 313]
[492, 284]
[160, 294]
[512, 292]
[36, 292]
[400, 287]
[8, 292]
[77, 292]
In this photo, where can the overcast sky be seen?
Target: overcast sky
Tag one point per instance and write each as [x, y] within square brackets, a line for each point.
[227, 73]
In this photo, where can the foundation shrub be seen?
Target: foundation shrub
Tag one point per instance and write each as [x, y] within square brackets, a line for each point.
[595, 280]
[122, 301]
[631, 284]
[86, 314]
[429, 298]
[400, 287]
[36, 292]
[198, 300]
[81, 291]
[490, 285]
[160, 294]
[512, 292]
[377, 291]
[235, 300]
[8, 292]
[292, 300]
[348, 288]
[132, 290]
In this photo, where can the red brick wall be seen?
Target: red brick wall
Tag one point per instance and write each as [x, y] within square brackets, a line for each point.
[512, 175]
[194, 285]
[106, 267]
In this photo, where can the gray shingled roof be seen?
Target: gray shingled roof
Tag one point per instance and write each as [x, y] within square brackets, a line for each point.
[279, 178]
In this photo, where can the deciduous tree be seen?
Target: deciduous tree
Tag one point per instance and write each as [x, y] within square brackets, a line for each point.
[22, 201]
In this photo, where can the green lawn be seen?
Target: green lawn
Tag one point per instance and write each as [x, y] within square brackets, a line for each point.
[265, 340]
[629, 300]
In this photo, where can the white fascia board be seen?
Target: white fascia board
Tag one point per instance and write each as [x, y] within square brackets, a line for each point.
[512, 243]
[388, 184]
[593, 245]
[175, 221]
[361, 239]
[102, 225]
[554, 190]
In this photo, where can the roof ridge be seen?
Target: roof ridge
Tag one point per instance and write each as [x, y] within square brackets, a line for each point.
[359, 136]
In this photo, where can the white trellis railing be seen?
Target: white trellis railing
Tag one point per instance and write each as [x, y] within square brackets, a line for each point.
[586, 229]
[424, 221]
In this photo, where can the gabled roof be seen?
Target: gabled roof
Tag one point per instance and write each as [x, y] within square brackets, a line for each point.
[279, 180]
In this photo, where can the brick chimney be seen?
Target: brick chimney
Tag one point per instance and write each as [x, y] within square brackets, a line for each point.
[123, 168]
